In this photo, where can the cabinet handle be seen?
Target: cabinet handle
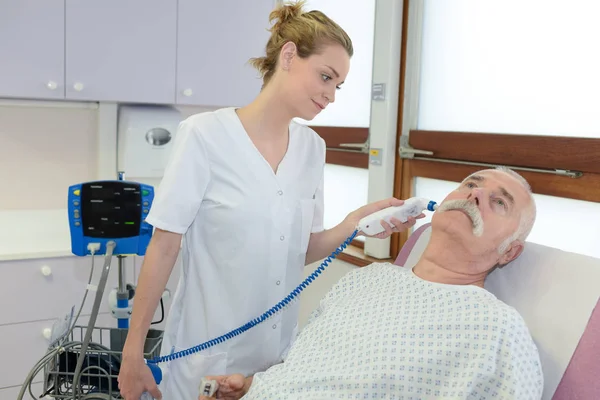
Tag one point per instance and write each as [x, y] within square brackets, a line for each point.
[47, 333]
[52, 85]
[46, 270]
[78, 86]
[187, 92]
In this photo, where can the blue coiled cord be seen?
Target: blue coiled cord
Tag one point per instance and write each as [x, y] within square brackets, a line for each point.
[268, 314]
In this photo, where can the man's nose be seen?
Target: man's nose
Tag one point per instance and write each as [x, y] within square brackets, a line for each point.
[476, 196]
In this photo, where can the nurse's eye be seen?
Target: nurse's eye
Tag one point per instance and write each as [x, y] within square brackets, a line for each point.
[328, 78]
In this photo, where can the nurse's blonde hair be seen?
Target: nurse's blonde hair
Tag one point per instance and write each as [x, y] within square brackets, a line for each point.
[309, 31]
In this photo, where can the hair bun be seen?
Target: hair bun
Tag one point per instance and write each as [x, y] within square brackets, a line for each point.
[285, 13]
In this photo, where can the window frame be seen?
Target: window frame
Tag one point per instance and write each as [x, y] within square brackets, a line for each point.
[336, 136]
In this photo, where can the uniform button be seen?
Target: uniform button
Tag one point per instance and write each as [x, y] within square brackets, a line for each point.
[280, 192]
[278, 282]
[274, 326]
[281, 237]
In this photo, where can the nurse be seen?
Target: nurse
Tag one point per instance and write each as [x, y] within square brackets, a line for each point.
[241, 201]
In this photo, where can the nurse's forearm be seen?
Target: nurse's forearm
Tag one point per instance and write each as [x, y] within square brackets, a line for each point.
[322, 244]
[157, 266]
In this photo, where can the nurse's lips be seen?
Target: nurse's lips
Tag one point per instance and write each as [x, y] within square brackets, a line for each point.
[319, 106]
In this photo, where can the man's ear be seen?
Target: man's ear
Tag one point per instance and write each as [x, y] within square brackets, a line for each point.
[514, 250]
[287, 54]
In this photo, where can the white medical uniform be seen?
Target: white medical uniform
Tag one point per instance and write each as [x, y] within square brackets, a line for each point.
[246, 230]
[384, 333]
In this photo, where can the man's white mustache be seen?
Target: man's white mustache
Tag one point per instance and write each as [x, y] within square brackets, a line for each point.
[469, 208]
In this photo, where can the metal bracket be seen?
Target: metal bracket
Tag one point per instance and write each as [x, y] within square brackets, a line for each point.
[361, 147]
[570, 174]
[408, 152]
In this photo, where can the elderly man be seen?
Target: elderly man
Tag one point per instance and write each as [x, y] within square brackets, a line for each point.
[431, 332]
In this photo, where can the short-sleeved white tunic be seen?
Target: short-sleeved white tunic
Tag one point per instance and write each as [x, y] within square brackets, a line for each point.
[246, 231]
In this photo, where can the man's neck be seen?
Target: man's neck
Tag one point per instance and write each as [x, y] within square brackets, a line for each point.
[442, 264]
[266, 118]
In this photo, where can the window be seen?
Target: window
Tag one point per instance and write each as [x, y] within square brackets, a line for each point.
[507, 68]
[346, 190]
[346, 121]
[352, 106]
[523, 97]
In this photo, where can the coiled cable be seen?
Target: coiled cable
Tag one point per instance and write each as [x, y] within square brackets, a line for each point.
[266, 315]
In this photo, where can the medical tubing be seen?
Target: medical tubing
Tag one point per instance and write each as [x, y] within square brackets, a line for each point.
[110, 246]
[266, 315]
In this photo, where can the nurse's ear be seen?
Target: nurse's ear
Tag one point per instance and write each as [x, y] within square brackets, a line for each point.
[287, 55]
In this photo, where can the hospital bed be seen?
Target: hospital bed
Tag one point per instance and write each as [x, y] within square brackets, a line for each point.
[557, 294]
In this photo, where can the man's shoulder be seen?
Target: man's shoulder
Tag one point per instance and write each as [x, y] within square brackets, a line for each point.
[509, 319]
[364, 276]
[375, 271]
[382, 268]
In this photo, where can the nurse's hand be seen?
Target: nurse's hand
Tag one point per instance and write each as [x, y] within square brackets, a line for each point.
[231, 387]
[136, 378]
[397, 226]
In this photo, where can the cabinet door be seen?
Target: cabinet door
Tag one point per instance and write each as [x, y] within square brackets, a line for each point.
[32, 49]
[122, 51]
[215, 41]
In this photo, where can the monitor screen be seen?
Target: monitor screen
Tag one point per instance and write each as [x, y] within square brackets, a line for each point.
[111, 209]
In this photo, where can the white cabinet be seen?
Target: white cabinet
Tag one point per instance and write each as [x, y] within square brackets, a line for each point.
[32, 51]
[192, 52]
[122, 51]
[215, 40]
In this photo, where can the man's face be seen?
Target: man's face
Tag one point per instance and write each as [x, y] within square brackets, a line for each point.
[481, 214]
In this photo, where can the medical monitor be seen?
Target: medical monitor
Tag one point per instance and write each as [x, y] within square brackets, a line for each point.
[101, 211]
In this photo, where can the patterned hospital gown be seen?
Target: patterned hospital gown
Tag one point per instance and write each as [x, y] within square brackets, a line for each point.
[384, 333]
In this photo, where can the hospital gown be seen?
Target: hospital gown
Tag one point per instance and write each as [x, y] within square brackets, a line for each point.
[384, 333]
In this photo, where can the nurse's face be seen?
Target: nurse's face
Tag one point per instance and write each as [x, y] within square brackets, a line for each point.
[310, 84]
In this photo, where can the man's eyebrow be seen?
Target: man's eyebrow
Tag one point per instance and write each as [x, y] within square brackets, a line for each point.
[477, 178]
[507, 195]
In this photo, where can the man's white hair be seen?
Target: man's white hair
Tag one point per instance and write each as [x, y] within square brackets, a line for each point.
[527, 215]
